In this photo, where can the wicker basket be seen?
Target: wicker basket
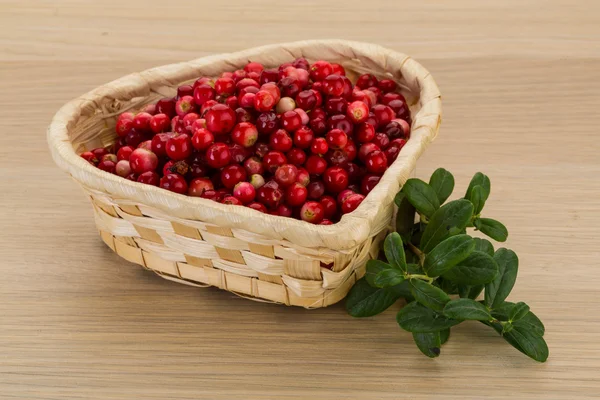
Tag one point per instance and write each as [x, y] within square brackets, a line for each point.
[203, 243]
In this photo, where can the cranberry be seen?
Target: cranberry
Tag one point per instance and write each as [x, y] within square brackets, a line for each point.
[232, 102]
[316, 189]
[366, 80]
[218, 155]
[257, 206]
[273, 160]
[383, 113]
[254, 67]
[296, 156]
[264, 101]
[358, 112]
[239, 153]
[124, 124]
[312, 212]
[245, 134]
[333, 85]
[280, 141]
[198, 170]
[336, 138]
[123, 154]
[329, 206]
[303, 116]
[375, 91]
[110, 157]
[291, 121]
[166, 106]
[202, 139]
[398, 143]
[203, 93]
[340, 122]
[355, 172]
[365, 150]
[253, 166]
[257, 180]
[368, 183]
[269, 194]
[336, 105]
[142, 160]
[179, 147]
[185, 105]
[337, 69]
[296, 194]
[319, 146]
[149, 178]
[198, 186]
[146, 144]
[175, 183]
[269, 75]
[352, 202]
[286, 175]
[386, 98]
[405, 127]
[335, 179]
[141, 121]
[166, 169]
[207, 106]
[244, 192]
[232, 201]
[320, 70]
[365, 132]
[290, 86]
[303, 177]
[303, 137]
[267, 123]
[315, 165]
[272, 88]
[306, 100]
[220, 119]
[381, 140]
[107, 165]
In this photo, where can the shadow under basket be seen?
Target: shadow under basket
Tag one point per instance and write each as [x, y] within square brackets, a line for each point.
[199, 242]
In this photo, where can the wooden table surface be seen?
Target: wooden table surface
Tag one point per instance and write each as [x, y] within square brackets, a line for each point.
[520, 83]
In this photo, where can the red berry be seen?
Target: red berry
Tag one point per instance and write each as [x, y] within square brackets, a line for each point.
[290, 86]
[179, 147]
[335, 179]
[320, 70]
[225, 86]
[247, 100]
[150, 109]
[358, 112]
[398, 143]
[142, 160]
[337, 157]
[340, 122]
[337, 69]
[291, 121]
[355, 172]
[232, 201]
[316, 189]
[394, 130]
[296, 156]
[202, 139]
[231, 175]
[376, 162]
[158, 144]
[368, 183]
[124, 153]
[244, 115]
[166, 106]
[269, 194]
[124, 124]
[185, 105]
[365, 132]
[220, 119]
[218, 155]
[107, 165]
[306, 100]
[301, 63]
[303, 137]
[303, 177]
[383, 114]
[175, 183]
[246, 82]
[149, 178]
[258, 207]
[134, 138]
[333, 85]
[341, 197]
[273, 160]
[283, 211]
[375, 91]
[273, 89]
[141, 121]
[362, 95]
[185, 90]
[336, 138]
[319, 146]
[198, 186]
[261, 149]
[267, 123]
[387, 85]
[326, 222]
[264, 101]
[365, 150]
[160, 123]
[312, 212]
[207, 106]
[203, 93]
[280, 141]
[254, 67]
[286, 175]
[366, 80]
[232, 102]
[386, 98]
[391, 153]
[329, 206]
[382, 140]
[253, 165]
[245, 134]
[244, 192]
[198, 170]
[269, 75]
[400, 109]
[110, 157]
[295, 195]
[352, 202]
[203, 81]
[315, 165]
[336, 105]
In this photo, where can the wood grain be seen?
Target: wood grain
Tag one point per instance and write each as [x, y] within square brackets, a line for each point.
[521, 98]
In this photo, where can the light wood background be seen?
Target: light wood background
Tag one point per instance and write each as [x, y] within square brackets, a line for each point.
[520, 82]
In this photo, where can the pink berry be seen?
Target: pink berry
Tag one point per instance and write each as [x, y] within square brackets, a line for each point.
[185, 105]
[285, 104]
[142, 160]
[198, 186]
[358, 112]
[218, 155]
[312, 212]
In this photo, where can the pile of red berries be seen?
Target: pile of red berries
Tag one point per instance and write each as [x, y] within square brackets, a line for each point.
[298, 141]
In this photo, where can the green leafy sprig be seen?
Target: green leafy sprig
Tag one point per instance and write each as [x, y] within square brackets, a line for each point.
[441, 271]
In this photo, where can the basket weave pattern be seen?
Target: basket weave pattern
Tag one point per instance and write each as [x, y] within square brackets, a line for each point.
[203, 243]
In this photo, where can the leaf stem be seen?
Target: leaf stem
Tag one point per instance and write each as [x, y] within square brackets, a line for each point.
[417, 252]
[421, 277]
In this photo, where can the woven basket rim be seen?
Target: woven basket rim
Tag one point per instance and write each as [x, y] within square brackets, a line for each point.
[351, 230]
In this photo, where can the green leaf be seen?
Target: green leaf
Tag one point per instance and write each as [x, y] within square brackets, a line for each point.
[477, 269]
[366, 301]
[421, 196]
[429, 295]
[478, 197]
[428, 343]
[374, 267]
[405, 217]
[444, 335]
[466, 309]
[502, 311]
[469, 292]
[482, 180]
[446, 285]
[448, 221]
[447, 254]
[394, 251]
[404, 290]
[484, 245]
[415, 317]
[442, 183]
[519, 311]
[492, 228]
[532, 322]
[389, 277]
[527, 342]
[498, 290]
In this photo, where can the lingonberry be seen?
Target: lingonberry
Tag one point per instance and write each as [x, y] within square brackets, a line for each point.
[141, 121]
[381, 140]
[366, 80]
[335, 179]
[303, 177]
[336, 138]
[273, 160]
[142, 160]
[253, 165]
[261, 149]
[355, 172]
[318, 125]
[306, 100]
[166, 169]
[245, 83]
[283, 211]
[185, 105]
[376, 162]
[320, 70]
[149, 178]
[132, 177]
[365, 150]
[134, 138]
[303, 137]
[319, 146]
[124, 153]
[361, 95]
[203, 81]
[198, 186]
[175, 183]
[329, 206]
[301, 63]
[146, 144]
[291, 121]
[244, 192]
[203, 93]
[257, 206]
[376, 91]
[166, 106]
[365, 132]
[269, 75]
[337, 157]
[202, 139]
[391, 153]
[333, 85]
[296, 156]
[232, 201]
[383, 113]
[405, 127]
[337, 69]
[218, 155]
[386, 98]
[368, 183]
[393, 130]
[269, 194]
[347, 93]
[107, 165]
[316, 189]
[267, 123]
[189, 120]
[295, 195]
[351, 203]
[372, 120]
[232, 102]
[358, 112]
[247, 100]
[179, 147]
[280, 141]
[220, 119]
[231, 175]
[317, 86]
[90, 157]
[263, 101]
[315, 165]
[124, 124]
[340, 122]
[336, 105]
[225, 86]
[341, 197]
[272, 88]
[387, 85]
[290, 86]
[312, 212]
[257, 180]
[185, 90]
[150, 109]
[285, 104]
[304, 118]
[286, 174]
[198, 170]
[160, 123]
[245, 134]
[398, 143]
[325, 221]
[244, 115]
[399, 108]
